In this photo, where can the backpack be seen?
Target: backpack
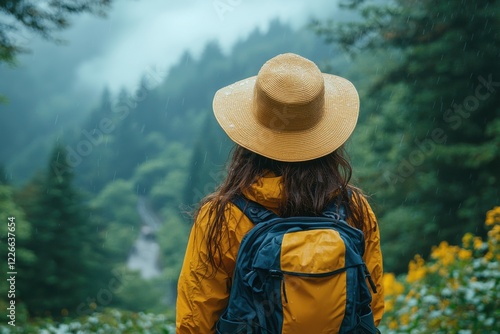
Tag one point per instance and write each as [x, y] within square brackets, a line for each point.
[299, 275]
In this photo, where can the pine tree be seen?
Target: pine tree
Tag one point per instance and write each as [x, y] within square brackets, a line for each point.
[70, 266]
[434, 131]
[18, 229]
[206, 169]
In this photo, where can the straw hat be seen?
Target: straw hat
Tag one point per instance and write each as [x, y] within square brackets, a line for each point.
[290, 111]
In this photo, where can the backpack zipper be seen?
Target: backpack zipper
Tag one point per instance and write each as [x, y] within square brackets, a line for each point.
[325, 274]
[279, 274]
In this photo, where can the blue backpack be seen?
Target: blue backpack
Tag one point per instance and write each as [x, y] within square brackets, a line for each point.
[299, 275]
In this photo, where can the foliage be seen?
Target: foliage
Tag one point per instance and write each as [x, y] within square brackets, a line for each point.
[456, 291]
[163, 177]
[121, 226]
[24, 257]
[43, 18]
[206, 166]
[429, 138]
[70, 260]
[172, 238]
[110, 321]
[140, 295]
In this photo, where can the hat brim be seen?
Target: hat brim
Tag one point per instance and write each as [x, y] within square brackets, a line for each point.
[233, 109]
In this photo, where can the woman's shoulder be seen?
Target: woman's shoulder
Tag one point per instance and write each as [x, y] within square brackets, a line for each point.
[361, 201]
[234, 220]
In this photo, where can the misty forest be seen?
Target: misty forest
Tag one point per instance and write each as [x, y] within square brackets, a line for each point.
[103, 202]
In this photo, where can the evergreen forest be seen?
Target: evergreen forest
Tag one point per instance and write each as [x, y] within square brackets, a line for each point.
[125, 173]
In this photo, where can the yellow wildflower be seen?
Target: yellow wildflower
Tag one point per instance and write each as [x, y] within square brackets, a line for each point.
[444, 253]
[466, 239]
[478, 243]
[391, 285]
[454, 283]
[416, 275]
[440, 251]
[410, 294]
[419, 261]
[389, 305]
[494, 233]
[464, 254]
[416, 269]
[449, 259]
[399, 288]
[393, 324]
[405, 319]
[444, 303]
[388, 281]
[493, 216]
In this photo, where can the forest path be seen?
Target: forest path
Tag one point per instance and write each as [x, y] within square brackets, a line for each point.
[145, 253]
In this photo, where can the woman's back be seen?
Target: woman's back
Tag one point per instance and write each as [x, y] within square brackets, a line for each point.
[288, 159]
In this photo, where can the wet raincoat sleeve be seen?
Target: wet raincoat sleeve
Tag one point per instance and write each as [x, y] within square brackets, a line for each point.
[202, 298]
[373, 260]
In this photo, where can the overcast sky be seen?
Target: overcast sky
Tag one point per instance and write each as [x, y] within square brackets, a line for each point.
[138, 34]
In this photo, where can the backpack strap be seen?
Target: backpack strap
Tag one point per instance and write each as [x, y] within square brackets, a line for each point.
[256, 212]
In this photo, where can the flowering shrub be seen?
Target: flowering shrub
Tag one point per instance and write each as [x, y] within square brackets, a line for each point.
[456, 291]
[111, 321]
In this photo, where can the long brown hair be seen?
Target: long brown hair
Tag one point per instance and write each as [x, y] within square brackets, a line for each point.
[308, 187]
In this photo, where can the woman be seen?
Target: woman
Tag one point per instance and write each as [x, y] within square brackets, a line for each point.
[289, 123]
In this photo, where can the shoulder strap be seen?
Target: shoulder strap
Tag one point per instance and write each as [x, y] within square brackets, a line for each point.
[256, 212]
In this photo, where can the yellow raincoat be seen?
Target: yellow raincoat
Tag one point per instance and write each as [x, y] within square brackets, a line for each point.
[201, 300]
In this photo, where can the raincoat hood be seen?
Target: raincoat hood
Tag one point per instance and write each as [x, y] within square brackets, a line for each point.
[267, 191]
